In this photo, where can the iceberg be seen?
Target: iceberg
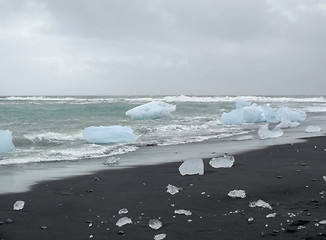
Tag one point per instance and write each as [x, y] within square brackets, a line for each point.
[153, 110]
[313, 129]
[264, 133]
[292, 115]
[192, 167]
[222, 162]
[6, 144]
[240, 103]
[237, 194]
[269, 114]
[111, 134]
[260, 203]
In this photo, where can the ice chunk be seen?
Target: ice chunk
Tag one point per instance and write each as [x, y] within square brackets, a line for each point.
[233, 117]
[222, 162]
[286, 123]
[192, 167]
[269, 114]
[240, 103]
[293, 115]
[155, 224]
[111, 134]
[172, 189]
[313, 129]
[6, 144]
[182, 211]
[123, 221]
[152, 110]
[322, 222]
[111, 161]
[264, 133]
[160, 236]
[237, 194]
[272, 215]
[19, 205]
[260, 203]
[123, 211]
[251, 114]
[324, 177]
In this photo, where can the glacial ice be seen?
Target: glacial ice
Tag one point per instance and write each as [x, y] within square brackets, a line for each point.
[19, 205]
[152, 110]
[110, 134]
[6, 144]
[293, 115]
[260, 203]
[240, 103]
[182, 211]
[286, 123]
[237, 194]
[172, 189]
[123, 211]
[226, 161]
[265, 133]
[160, 236]
[313, 129]
[123, 221]
[192, 167]
[155, 224]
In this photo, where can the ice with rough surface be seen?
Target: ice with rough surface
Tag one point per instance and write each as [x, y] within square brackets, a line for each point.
[152, 110]
[123, 211]
[19, 205]
[160, 236]
[286, 123]
[111, 161]
[155, 224]
[182, 211]
[294, 115]
[313, 129]
[192, 167]
[172, 189]
[260, 203]
[265, 133]
[123, 221]
[6, 144]
[237, 194]
[322, 222]
[272, 215]
[110, 134]
[226, 161]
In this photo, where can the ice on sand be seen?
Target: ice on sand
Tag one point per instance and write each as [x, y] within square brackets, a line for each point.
[222, 162]
[123, 211]
[272, 215]
[152, 110]
[19, 205]
[172, 189]
[182, 211]
[265, 133]
[313, 129]
[6, 144]
[111, 161]
[293, 115]
[286, 123]
[324, 177]
[155, 224]
[110, 134]
[160, 236]
[260, 203]
[237, 194]
[192, 167]
[123, 221]
[244, 137]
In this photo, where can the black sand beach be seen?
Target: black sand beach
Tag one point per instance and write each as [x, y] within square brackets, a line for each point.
[288, 177]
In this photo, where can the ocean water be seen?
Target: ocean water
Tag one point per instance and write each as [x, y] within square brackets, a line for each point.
[47, 129]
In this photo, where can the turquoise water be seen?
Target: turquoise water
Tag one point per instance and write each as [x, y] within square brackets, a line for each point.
[50, 128]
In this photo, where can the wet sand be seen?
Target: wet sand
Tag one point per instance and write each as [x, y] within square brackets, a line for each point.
[289, 177]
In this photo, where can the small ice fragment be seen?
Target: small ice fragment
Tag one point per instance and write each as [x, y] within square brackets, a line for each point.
[123, 211]
[182, 211]
[237, 194]
[324, 177]
[260, 203]
[222, 162]
[155, 224]
[286, 123]
[123, 221]
[244, 137]
[172, 189]
[19, 205]
[264, 133]
[322, 222]
[111, 160]
[250, 219]
[272, 215]
[313, 129]
[192, 167]
[160, 236]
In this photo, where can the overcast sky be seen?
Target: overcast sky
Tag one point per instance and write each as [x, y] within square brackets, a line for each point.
[216, 47]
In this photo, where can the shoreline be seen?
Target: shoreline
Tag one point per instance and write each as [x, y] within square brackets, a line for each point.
[289, 177]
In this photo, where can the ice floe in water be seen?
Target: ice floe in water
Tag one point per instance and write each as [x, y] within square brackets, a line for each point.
[160, 236]
[123, 211]
[183, 212]
[226, 161]
[260, 203]
[265, 133]
[110, 134]
[192, 167]
[19, 205]
[123, 221]
[6, 144]
[155, 224]
[237, 194]
[172, 189]
[313, 129]
[152, 110]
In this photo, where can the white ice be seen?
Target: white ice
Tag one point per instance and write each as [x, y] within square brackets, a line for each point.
[123, 221]
[152, 110]
[155, 224]
[286, 123]
[226, 161]
[19, 205]
[237, 194]
[265, 133]
[192, 167]
[272, 215]
[324, 177]
[6, 144]
[322, 222]
[313, 129]
[260, 203]
[182, 211]
[111, 161]
[123, 211]
[160, 236]
[172, 189]
[110, 134]
[293, 115]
